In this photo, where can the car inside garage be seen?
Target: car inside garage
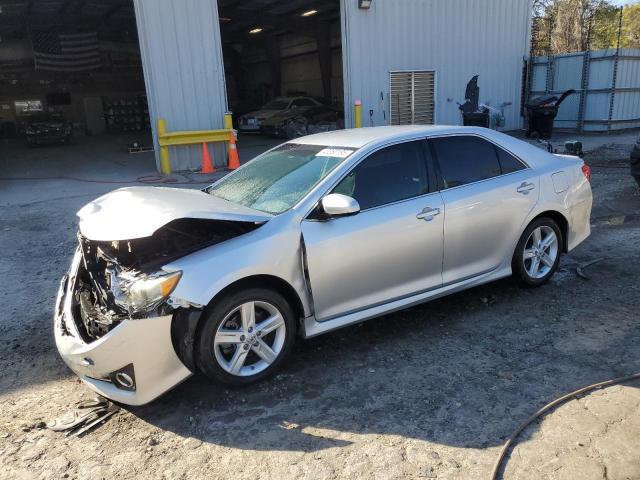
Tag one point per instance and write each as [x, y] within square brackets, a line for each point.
[283, 66]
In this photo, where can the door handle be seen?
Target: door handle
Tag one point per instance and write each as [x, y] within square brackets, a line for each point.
[525, 188]
[428, 213]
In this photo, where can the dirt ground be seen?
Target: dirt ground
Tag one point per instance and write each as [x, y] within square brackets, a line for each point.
[429, 392]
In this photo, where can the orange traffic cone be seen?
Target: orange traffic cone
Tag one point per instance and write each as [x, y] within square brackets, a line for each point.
[234, 160]
[207, 164]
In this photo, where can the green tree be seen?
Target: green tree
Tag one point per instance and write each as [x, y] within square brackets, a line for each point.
[562, 26]
[604, 33]
[630, 37]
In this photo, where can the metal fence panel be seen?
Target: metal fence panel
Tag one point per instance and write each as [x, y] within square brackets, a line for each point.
[568, 112]
[626, 108]
[539, 75]
[566, 72]
[597, 111]
[601, 69]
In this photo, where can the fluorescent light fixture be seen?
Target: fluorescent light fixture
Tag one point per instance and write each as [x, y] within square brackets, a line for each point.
[364, 4]
[308, 13]
[255, 30]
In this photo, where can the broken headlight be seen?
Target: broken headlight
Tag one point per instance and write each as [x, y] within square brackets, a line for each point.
[140, 294]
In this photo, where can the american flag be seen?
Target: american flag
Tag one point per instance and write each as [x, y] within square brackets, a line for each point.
[66, 52]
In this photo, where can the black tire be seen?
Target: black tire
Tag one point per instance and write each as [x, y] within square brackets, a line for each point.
[518, 267]
[206, 359]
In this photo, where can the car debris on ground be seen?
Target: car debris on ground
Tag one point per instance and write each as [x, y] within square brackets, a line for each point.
[87, 415]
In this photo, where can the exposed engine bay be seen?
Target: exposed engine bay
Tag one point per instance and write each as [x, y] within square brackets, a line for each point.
[109, 269]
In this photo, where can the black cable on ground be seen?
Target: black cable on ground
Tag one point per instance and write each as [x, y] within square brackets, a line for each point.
[505, 448]
[580, 268]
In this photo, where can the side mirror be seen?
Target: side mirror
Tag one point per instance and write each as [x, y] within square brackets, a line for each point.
[339, 205]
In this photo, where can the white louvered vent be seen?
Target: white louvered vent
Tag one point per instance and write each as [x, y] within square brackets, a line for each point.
[412, 99]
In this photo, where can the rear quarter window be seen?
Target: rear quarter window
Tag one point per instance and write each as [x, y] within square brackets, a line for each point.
[508, 163]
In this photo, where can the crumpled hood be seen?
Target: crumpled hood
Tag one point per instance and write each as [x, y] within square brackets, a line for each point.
[137, 212]
[285, 115]
[262, 113]
[48, 125]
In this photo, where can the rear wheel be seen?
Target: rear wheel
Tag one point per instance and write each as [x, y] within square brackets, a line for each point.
[537, 254]
[246, 337]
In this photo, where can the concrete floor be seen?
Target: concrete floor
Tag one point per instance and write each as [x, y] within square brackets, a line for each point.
[429, 392]
[93, 165]
[103, 157]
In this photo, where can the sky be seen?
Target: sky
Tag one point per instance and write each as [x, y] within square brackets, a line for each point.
[622, 2]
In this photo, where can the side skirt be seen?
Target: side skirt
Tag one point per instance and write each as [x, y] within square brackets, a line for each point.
[311, 327]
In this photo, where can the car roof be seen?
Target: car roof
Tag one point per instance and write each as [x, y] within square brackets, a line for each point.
[374, 136]
[359, 137]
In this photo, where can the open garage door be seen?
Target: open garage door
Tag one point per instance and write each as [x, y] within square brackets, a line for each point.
[283, 68]
[71, 75]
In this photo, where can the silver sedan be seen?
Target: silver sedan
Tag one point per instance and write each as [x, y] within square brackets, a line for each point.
[316, 234]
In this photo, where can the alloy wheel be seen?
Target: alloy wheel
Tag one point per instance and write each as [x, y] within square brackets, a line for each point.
[250, 338]
[540, 252]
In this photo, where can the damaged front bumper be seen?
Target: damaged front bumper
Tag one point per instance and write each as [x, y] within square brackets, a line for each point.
[133, 363]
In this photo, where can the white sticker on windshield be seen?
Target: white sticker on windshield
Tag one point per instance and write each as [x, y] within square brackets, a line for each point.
[334, 152]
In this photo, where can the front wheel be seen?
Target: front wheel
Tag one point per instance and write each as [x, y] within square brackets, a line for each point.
[246, 336]
[537, 254]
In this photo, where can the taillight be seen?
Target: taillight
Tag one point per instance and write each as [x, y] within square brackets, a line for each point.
[586, 169]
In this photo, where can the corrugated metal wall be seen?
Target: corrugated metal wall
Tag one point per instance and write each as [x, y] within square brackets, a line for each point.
[627, 99]
[456, 38]
[566, 72]
[183, 70]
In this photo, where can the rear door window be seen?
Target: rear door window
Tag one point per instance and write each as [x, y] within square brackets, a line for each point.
[465, 159]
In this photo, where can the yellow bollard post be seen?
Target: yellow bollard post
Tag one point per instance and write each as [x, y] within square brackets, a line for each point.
[228, 120]
[228, 125]
[165, 162]
[357, 114]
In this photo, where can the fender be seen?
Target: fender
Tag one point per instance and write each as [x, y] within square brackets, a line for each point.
[209, 271]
